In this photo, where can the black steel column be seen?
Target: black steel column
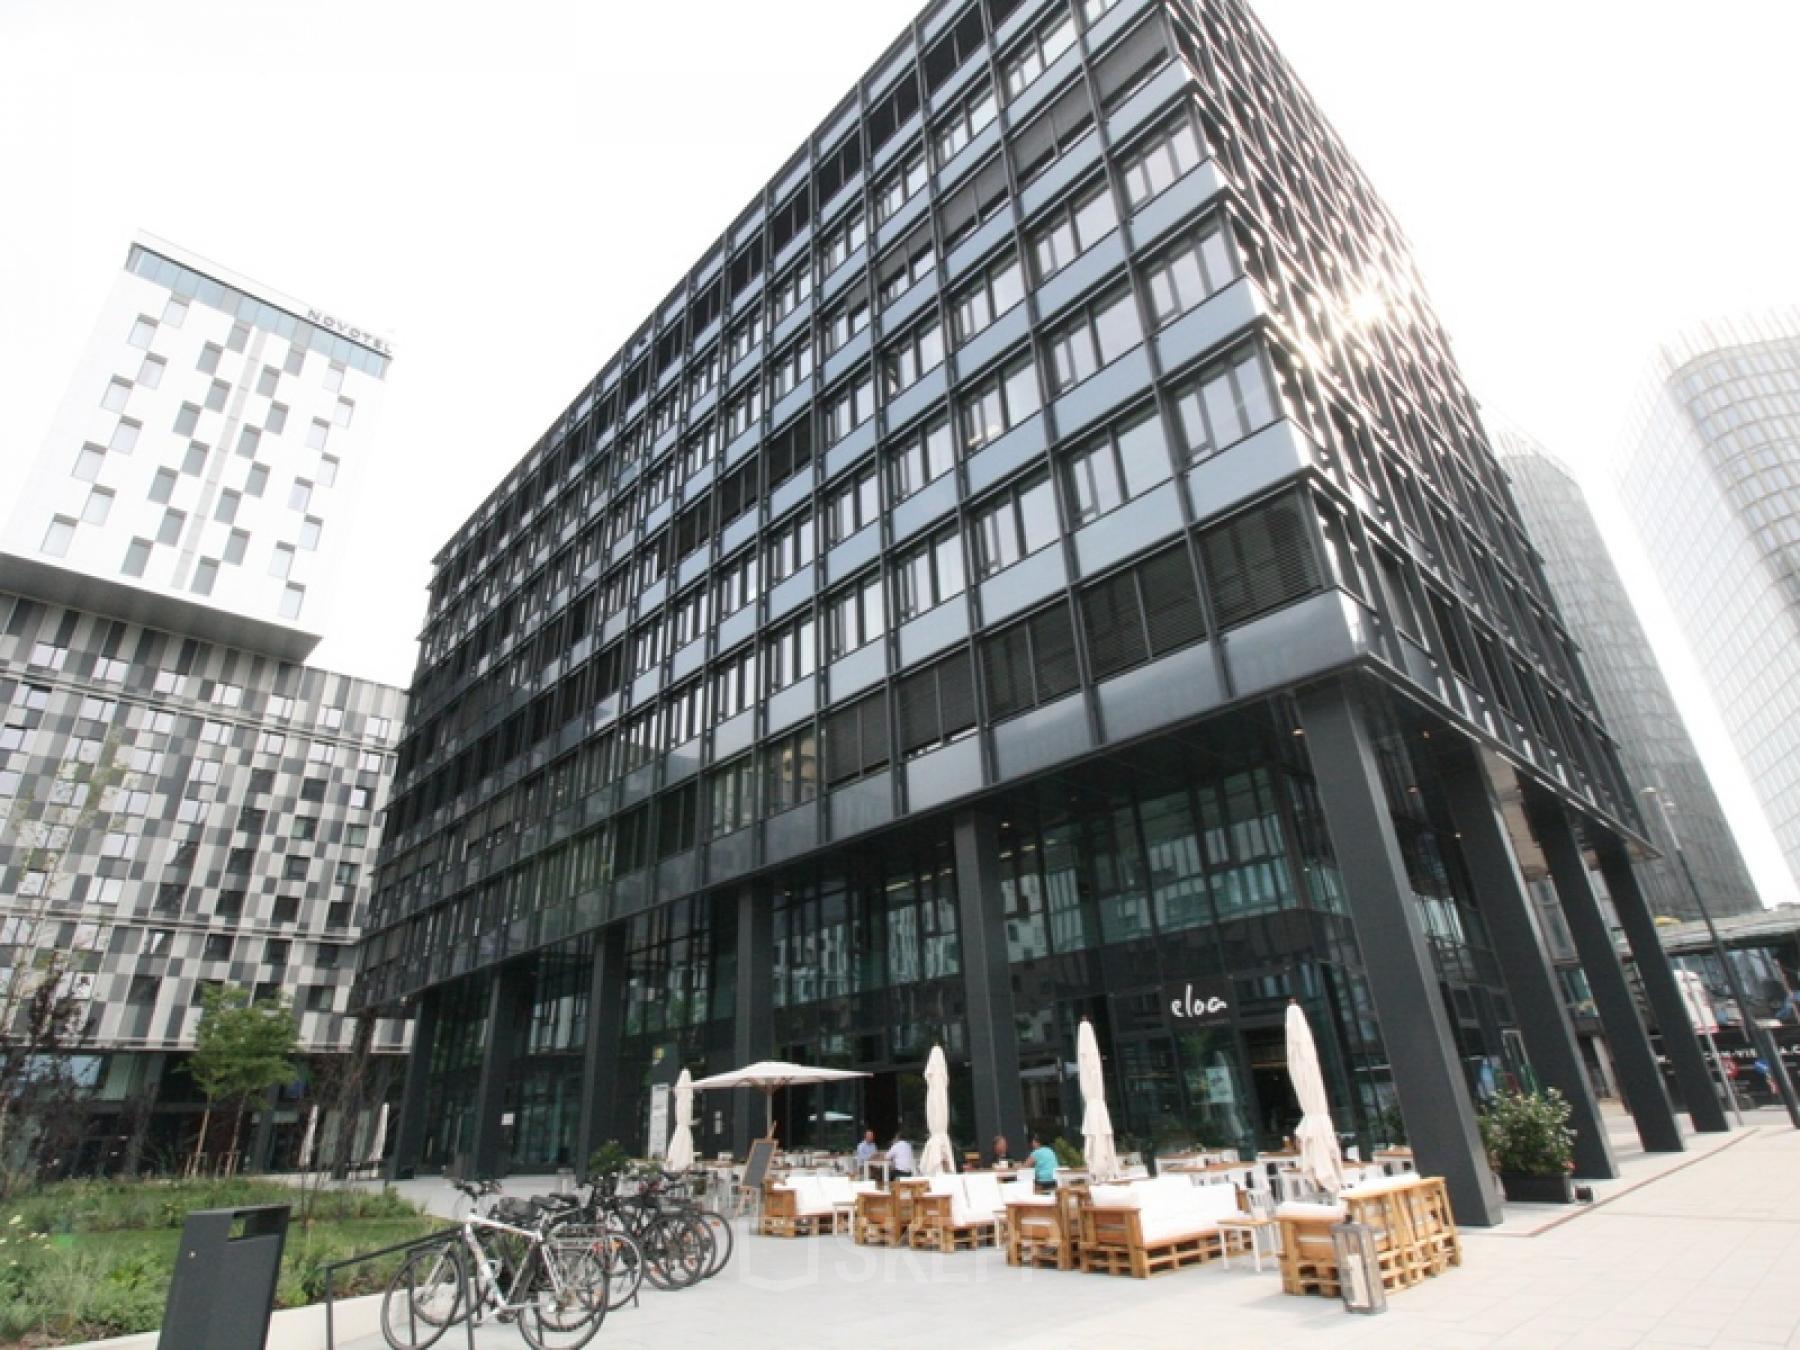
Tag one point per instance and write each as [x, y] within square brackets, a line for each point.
[409, 1130]
[1428, 1075]
[987, 984]
[754, 1034]
[1639, 1077]
[1663, 992]
[508, 998]
[600, 1056]
[1506, 909]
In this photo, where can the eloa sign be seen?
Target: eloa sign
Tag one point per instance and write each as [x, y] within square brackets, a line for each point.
[1198, 1003]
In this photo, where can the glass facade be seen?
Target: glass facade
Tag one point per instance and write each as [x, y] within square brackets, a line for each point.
[924, 595]
[1711, 481]
[1628, 686]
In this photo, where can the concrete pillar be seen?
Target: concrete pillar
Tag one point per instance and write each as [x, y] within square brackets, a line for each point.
[409, 1129]
[1639, 1077]
[754, 1032]
[600, 1060]
[1428, 1075]
[1506, 909]
[1663, 993]
[987, 983]
[509, 1000]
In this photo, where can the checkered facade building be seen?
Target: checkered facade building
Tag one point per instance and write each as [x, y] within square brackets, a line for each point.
[178, 814]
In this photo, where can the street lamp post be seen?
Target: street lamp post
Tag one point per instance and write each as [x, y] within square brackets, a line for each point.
[1754, 1031]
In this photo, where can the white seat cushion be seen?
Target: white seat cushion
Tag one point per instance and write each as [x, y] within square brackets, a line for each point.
[811, 1196]
[983, 1191]
[1114, 1197]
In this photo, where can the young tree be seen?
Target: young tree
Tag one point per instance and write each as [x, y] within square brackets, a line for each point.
[241, 1050]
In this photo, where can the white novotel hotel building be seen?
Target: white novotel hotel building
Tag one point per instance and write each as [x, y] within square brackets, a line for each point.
[211, 431]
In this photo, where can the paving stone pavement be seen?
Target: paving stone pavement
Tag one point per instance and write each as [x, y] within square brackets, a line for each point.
[1698, 1249]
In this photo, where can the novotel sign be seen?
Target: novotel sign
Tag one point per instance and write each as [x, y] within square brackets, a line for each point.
[332, 324]
[1198, 1003]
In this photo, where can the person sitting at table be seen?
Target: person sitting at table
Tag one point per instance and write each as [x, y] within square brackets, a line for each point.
[867, 1149]
[1042, 1162]
[999, 1156]
[900, 1157]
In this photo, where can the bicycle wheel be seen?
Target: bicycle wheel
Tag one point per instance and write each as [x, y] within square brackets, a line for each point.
[423, 1299]
[624, 1261]
[566, 1298]
[677, 1251]
[718, 1228]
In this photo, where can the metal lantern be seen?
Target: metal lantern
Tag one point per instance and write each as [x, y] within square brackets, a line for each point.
[1359, 1268]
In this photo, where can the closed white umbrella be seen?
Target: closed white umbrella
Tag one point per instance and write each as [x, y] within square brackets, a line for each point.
[1320, 1158]
[380, 1133]
[680, 1154]
[770, 1074]
[1096, 1120]
[306, 1140]
[938, 1157]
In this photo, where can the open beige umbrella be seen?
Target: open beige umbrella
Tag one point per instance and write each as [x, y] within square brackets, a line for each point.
[1096, 1120]
[768, 1075]
[1320, 1157]
[679, 1156]
[938, 1157]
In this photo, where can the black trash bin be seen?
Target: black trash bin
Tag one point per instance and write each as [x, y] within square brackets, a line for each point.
[223, 1289]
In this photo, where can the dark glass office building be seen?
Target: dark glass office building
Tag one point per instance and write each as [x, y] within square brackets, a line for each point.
[1043, 560]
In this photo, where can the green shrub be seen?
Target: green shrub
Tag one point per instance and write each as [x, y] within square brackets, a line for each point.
[1528, 1133]
[1067, 1155]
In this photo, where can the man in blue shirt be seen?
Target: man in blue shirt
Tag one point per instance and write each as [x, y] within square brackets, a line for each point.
[866, 1149]
[1042, 1162]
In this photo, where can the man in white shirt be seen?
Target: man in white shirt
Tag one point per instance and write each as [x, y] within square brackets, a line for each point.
[900, 1158]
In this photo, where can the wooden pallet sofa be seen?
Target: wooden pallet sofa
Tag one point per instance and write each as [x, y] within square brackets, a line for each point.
[1044, 1230]
[964, 1212]
[1414, 1231]
[804, 1206]
[1155, 1225]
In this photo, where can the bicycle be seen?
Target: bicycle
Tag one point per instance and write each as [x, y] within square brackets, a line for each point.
[672, 1190]
[567, 1219]
[555, 1290]
[678, 1249]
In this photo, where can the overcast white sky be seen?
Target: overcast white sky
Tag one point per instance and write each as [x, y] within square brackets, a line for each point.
[510, 189]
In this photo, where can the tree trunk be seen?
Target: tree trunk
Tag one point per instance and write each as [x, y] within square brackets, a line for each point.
[200, 1143]
[237, 1122]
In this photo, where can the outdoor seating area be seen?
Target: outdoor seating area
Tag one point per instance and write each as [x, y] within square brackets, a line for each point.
[1116, 1215]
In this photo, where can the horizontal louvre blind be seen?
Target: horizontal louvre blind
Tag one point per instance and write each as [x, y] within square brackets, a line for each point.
[1259, 561]
[1006, 671]
[873, 718]
[956, 694]
[919, 722]
[1171, 601]
[843, 745]
[1114, 624]
[1053, 653]
[856, 739]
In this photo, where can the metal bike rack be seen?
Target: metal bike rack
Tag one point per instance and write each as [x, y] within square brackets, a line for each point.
[460, 1256]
